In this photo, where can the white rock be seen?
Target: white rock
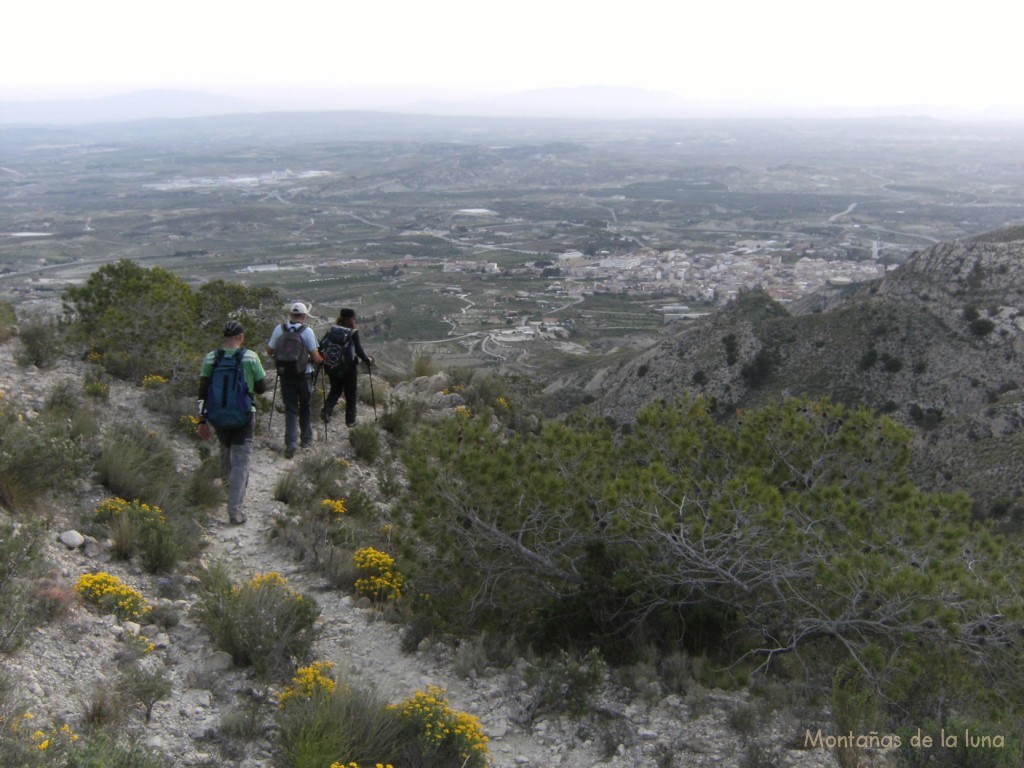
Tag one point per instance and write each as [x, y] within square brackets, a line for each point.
[214, 663]
[72, 539]
[92, 548]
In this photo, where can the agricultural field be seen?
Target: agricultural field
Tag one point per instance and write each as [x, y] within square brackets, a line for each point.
[447, 229]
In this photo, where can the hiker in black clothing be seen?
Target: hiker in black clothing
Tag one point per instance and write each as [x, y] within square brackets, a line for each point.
[345, 375]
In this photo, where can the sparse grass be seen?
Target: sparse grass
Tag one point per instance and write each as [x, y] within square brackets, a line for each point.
[136, 463]
[314, 478]
[244, 723]
[103, 708]
[423, 365]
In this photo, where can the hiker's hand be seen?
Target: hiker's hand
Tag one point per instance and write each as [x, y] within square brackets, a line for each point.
[203, 430]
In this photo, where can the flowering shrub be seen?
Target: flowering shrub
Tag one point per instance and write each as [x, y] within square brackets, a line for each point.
[463, 411]
[378, 578]
[264, 623]
[334, 507]
[152, 381]
[22, 746]
[356, 765]
[134, 526]
[312, 682]
[112, 594]
[442, 729]
[501, 402]
[137, 645]
[115, 507]
[97, 389]
[188, 425]
[43, 739]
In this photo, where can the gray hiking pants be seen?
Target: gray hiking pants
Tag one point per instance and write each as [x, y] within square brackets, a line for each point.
[296, 393]
[235, 451]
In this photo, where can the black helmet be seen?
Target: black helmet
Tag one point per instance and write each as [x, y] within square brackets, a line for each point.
[233, 328]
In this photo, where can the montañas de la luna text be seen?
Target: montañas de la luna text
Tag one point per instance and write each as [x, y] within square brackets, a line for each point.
[875, 740]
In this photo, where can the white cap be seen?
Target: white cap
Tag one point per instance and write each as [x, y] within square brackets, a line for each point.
[298, 308]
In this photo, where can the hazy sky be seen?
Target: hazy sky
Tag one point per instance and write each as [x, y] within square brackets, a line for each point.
[803, 52]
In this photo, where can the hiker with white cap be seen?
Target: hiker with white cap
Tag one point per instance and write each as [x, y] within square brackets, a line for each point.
[294, 349]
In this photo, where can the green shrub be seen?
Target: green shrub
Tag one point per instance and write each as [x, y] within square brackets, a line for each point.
[365, 441]
[139, 320]
[401, 417]
[982, 326]
[145, 686]
[8, 318]
[63, 406]
[101, 750]
[566, 683]
[264, 623]
[20, 566]
[37, 457]
[41, 344]
[95, 387]
[854, 710]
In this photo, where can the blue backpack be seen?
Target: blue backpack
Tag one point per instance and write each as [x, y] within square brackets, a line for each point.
[228, 402]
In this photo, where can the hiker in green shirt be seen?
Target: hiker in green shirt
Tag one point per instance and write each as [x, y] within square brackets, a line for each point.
[232, 414]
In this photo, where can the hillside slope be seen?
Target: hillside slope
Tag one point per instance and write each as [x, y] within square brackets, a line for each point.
[938, 344]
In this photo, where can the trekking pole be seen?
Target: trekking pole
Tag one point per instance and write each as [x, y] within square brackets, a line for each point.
[323, 387]
[273, 402]
[373, 397]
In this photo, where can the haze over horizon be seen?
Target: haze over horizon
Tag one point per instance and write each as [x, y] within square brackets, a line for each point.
[791, 56]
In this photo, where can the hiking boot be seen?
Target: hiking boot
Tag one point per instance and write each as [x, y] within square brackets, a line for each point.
[325, 417]
[238, 520]
[289, 452]
[350, 424]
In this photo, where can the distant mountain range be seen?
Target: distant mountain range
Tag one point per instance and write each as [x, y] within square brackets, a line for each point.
[585, 102]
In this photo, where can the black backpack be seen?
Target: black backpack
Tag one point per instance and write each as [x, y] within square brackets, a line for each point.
[228, 402]
[338, 351]
[290, 354]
